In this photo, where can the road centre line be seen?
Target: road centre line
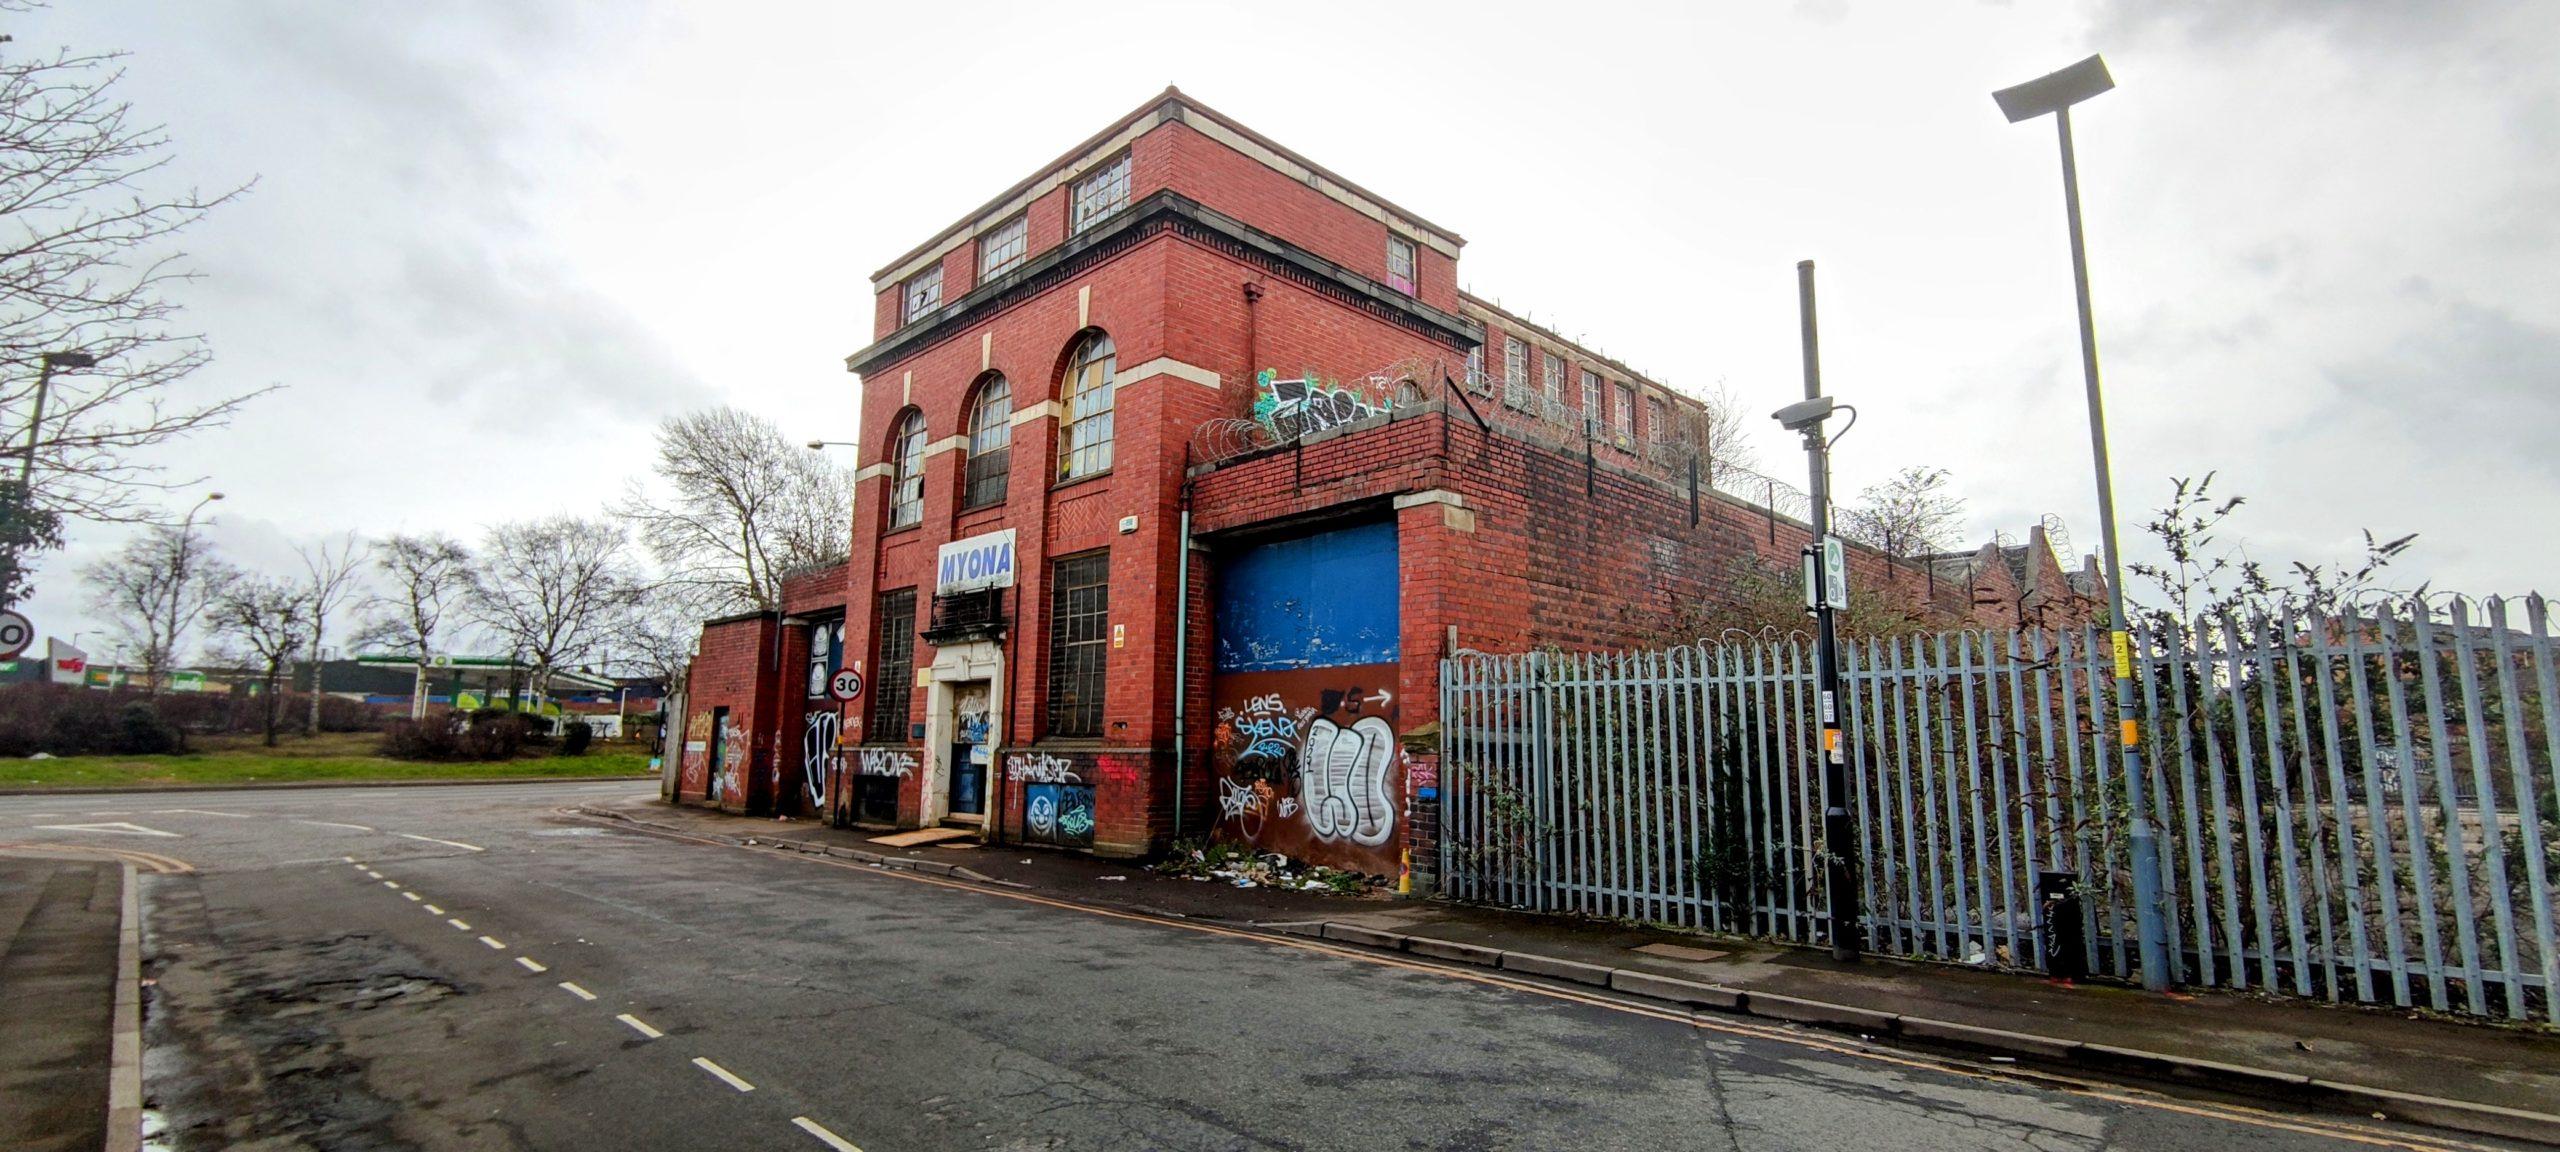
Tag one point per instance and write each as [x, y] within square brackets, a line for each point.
[457, 922]
[531, 964]
[391, 884]
[638, 1025]
[2098, 1090]
[446, 843]
[411, 895]
[726, 1076]
[335, 824]
[495, 945]
[576, 991]
[198, 812]
[432, 910]
[812, 1127]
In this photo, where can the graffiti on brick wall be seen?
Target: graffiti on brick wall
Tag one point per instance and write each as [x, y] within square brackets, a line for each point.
[887, 762]
[1310, 402]
[1039, 768]
[817, 755]
[1308, 764]
[693, 771]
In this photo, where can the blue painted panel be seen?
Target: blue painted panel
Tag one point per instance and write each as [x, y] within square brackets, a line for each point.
[1318, 601]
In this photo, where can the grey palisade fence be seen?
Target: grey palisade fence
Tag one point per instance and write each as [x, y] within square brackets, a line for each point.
[2356, 805]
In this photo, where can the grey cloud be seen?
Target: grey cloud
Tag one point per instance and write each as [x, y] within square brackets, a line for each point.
[2469, 381]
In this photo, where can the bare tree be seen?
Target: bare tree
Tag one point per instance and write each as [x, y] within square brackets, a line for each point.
[85, 268]
[430, 576]
[555, 589]
[329, 581]
[736, 506]
[660, 631]
[1723, 430]
[154, 590]
[273, 619]
[1911, 514]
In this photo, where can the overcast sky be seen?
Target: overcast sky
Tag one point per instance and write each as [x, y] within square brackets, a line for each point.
[491, 244]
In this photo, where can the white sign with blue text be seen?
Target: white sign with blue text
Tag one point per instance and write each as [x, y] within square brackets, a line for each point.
[978, 562]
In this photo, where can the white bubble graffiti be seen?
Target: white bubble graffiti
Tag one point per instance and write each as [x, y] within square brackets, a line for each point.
[888, 762]
[1342, 777]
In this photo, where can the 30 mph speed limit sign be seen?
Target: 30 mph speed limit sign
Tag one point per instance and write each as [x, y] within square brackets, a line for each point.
[844, 685]
[16, 632]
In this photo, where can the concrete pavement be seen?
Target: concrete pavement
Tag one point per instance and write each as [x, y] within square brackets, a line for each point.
[413, 969]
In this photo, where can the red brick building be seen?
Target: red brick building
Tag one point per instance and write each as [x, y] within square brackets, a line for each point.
[1184, 463]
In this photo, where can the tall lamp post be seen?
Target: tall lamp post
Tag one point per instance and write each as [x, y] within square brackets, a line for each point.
[2055, 93]
[177, 589]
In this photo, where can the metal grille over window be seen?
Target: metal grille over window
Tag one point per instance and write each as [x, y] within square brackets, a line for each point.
[906, 487]
[990, 443]
[893, 669]
[923, 294]
[1084, 443]
[1079, 643]
[1515, 372]
[1004, 247]
[1104, 192]
[1400, 262]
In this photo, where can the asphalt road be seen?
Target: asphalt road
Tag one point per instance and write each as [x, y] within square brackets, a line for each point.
[461, 967]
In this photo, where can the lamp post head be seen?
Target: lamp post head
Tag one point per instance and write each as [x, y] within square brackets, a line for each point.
[2054, 91]
[817, 445]
[212, 496]
[70, 360]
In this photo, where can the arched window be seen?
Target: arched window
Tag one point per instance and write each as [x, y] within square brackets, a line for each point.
[906, 479]
[990, 443]
[1084, 435]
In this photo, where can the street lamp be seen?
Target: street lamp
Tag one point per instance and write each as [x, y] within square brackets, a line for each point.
[2056, 93]
[35, 423]
[823, 445]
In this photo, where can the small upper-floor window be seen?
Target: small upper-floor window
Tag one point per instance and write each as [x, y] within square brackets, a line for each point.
[1476, 381]
[1625, 415]
[1654, 432]
[1551, 384]
[990, 443]
[826, 655]
[1099, 194]
[1003, 247]
[1400, 265]
[1515, 372]
[922, 294]
[1590, 399]
[1084, 432]
[906, 478]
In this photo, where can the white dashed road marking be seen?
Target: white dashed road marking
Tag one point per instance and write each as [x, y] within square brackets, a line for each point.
[459, 924]
[120, 828]
[390, 883]
[197, 812]
[830, 1139]
[446, 843]
[530, 964]
[411, 895]
[576, 991]
[726, 1076]
[638, 1025]
[335, 824]
[495, 945]
[432, 910]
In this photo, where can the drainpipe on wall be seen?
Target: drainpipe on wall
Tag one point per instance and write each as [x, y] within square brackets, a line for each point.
[1182, 651]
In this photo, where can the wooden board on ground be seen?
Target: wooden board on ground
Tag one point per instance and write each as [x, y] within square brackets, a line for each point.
[926, 836]
[1681, 952]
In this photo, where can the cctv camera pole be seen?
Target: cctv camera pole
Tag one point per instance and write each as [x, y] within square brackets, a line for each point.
[1839, 834]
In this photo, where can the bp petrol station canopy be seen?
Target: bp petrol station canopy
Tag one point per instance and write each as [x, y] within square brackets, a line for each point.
[486, 673]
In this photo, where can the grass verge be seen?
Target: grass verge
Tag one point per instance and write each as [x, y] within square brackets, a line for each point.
[236, 761]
